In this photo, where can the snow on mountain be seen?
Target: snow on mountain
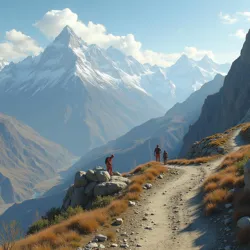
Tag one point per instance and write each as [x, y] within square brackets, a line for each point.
[3, 64]
[189, 75]
[81, 95]
[75, 94]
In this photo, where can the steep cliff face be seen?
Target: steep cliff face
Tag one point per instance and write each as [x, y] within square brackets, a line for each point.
[228, 107]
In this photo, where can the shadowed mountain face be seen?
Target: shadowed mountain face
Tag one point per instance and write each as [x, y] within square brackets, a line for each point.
[228, 107]
[26, 159]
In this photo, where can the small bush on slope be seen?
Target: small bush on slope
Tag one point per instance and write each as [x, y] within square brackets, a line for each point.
[53, 216]
[102, 201]
[58, 237]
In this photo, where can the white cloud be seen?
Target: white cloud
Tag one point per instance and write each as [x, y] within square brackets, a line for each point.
[18, 46]
[245, 14]
[241, 34]
[55, 20]
[227, 19]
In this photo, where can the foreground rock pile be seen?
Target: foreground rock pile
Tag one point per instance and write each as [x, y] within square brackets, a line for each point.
[208, 146]
[88, 185]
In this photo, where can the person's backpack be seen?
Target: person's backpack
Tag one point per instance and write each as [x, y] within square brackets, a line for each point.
[157, 150]
[106, 160]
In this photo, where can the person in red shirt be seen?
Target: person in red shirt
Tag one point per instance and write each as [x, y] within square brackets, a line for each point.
[157, 153]
[108, 163]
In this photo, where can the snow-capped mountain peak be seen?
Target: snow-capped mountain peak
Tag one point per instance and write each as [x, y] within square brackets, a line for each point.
[68, 38]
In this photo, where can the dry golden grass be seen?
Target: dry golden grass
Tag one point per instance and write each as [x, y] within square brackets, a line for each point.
[229, 175]
[200, 160]
[216, 197]
[135, 187]
[228, 181]
[210, 187]
[243, 236]
[68, 234]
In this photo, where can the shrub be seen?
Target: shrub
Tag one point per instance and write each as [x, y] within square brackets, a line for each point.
[216, 197]
[102, 201]
[135, 188]
[38, 226]
[52, 213]
[210, 208]
[227, 181]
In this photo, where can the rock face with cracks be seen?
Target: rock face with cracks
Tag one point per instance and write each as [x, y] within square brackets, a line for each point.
[88, 185]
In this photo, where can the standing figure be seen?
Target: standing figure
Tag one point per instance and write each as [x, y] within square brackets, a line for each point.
[165, 157]
[108, 162]
[157, 153]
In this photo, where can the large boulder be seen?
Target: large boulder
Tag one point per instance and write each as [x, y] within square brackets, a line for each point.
[79, 198]
[80, 179]
[120, 179]
[108, 188]
[102, 176]
[247, 176]
[243, 222]
[89, 189]
[91, 175]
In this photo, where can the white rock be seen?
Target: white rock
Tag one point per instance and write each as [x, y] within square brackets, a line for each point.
[131, 203]
[243, 222]
[148, 185]
[118, 221]
[101, 246]
[124, 245]
[91, 245]
[114, 245]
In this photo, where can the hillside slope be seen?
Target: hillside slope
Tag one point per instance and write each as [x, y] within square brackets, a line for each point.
[228, 107]
[26, 159]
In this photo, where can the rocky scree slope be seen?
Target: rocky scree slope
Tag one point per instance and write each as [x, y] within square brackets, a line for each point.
[26, 159]
[228, 107]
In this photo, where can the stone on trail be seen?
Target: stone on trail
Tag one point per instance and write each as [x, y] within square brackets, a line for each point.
[91, 245]
[120, 179]
[148, 185]
[101, 237]
[243, 222]
[101, 246]
[114, 245]
[118, 222]
[124, 245]
[131, 203]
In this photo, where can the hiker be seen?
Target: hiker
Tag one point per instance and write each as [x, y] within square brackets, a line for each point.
[165, 157]
[157, 153]
[108, 162]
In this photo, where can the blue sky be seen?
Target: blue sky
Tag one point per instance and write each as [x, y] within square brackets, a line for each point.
[161, 29]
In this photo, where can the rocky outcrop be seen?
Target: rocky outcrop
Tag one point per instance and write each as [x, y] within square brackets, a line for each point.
[207, 147]
[228, 107]
[88, 185]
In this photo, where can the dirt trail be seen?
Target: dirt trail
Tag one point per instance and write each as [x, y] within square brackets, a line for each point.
[173, 210]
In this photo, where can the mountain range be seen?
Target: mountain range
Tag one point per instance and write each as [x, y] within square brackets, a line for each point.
[82, 96]
[229, 106]
[3, 64]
